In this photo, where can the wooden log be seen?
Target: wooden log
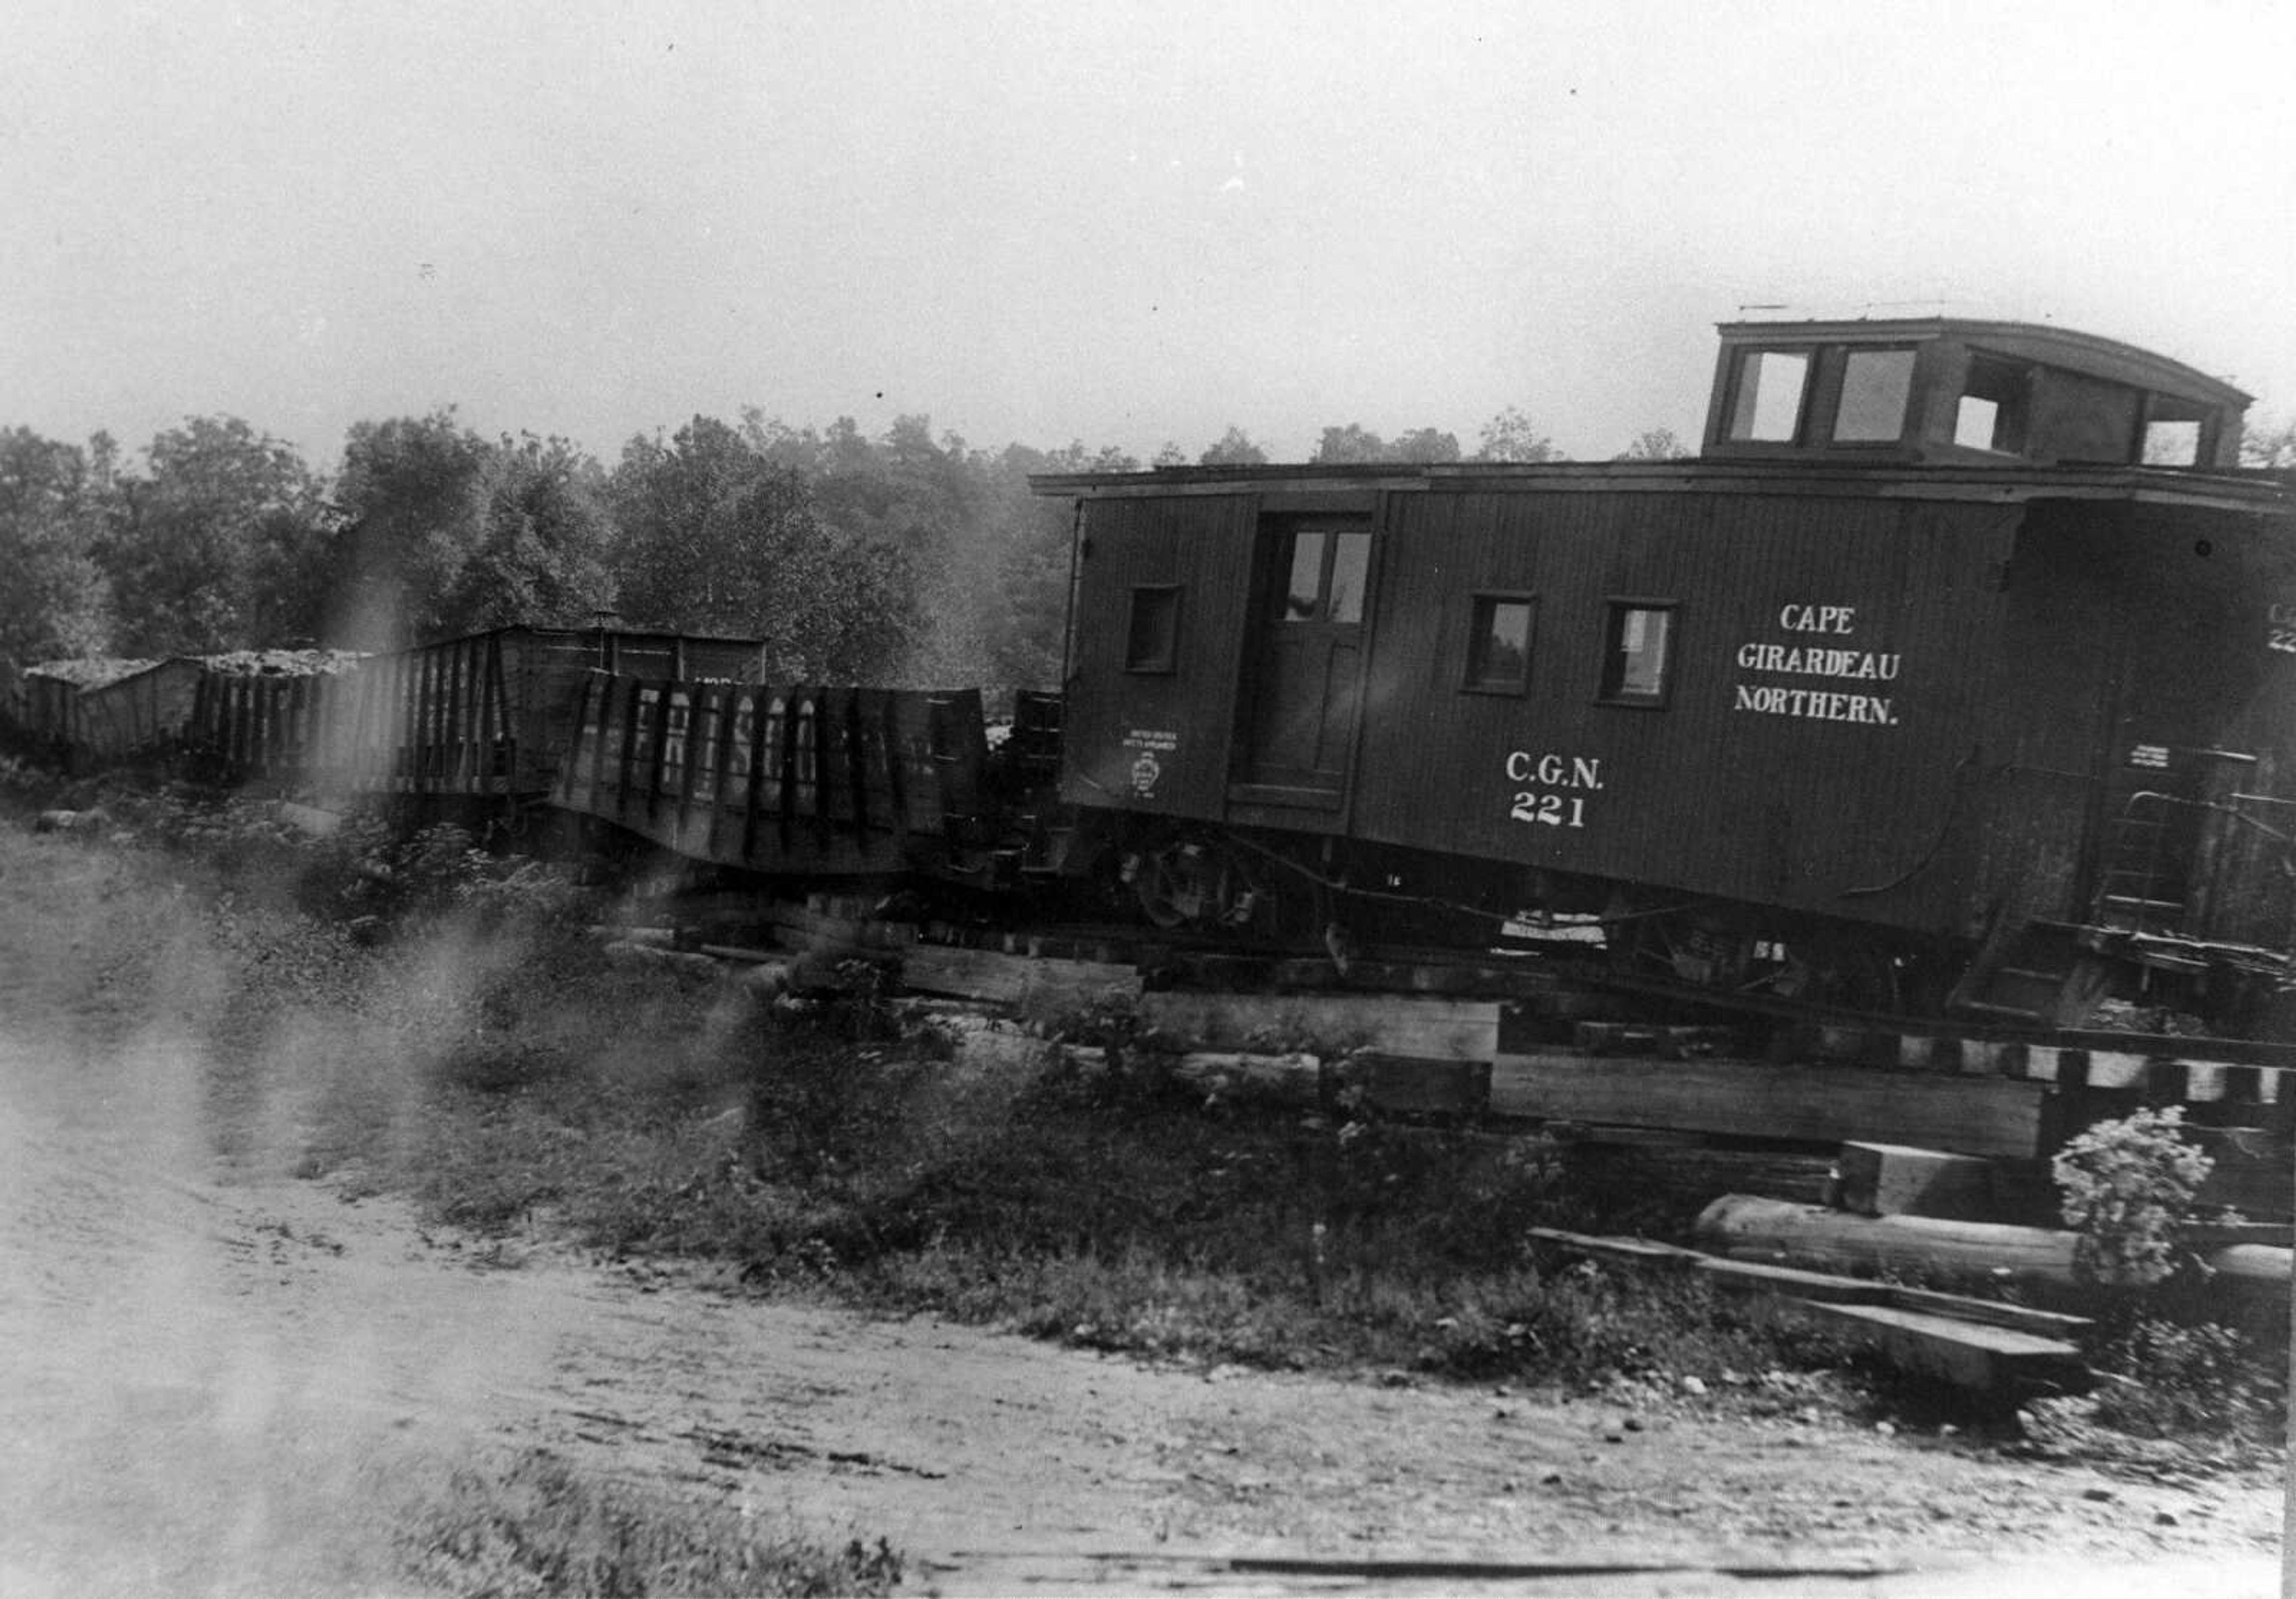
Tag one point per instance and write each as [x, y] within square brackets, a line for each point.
[2000, 1361]
[1893, 1179]
[1761, 1100]
[1431, 1029]
[1744, 1226]
[1011, 980]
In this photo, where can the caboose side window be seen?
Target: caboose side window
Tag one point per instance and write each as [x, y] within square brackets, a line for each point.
[1637, 651]
[1874, 387]
[1151, 637]
[1498, 645]
[1992, 407]
[2174, 432]
[1767, 407]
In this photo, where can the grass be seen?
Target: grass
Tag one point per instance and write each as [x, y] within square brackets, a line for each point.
[492, 1062]
[536, 1527]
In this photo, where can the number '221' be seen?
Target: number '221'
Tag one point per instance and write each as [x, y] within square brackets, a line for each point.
[1556, 810]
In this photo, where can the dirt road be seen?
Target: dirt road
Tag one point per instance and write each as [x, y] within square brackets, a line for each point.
[221, 1379]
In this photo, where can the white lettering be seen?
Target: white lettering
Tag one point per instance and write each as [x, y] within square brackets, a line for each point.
[1820, 705]
[1518, 766]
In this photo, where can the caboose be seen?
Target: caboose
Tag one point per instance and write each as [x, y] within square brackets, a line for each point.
[1956, 673]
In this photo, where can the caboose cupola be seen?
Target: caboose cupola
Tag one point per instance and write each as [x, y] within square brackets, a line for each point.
[1968, 393]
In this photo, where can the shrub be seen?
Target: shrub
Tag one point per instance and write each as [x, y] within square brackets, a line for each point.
[538, 1528]
[2126, 1186]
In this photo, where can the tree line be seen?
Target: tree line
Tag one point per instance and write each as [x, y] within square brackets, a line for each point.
[906, 557]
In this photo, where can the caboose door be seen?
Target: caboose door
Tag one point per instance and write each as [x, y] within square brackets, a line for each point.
[1305, 660]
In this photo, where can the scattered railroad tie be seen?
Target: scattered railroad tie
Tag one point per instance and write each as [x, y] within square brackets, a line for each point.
[2195, 1070]
[1894, 1179]
[2006, 1352]
[1761, 1100]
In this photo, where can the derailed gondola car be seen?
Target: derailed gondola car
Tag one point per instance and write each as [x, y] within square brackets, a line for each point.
[791, 780]
[1958, 671]
[47, 705]
[466, 725]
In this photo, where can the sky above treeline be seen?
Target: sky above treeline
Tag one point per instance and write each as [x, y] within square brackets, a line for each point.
[1125, 223]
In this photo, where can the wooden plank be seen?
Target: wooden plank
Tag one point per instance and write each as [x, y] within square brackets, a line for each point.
[1431, 1028]
[1634, 1252]
[1760, 1277]
[1981, 1359]
[813, 928]
[1409, 1086]
[1664, 1042]
[1013, 980]
[1754, 1099]
[1892, 1179]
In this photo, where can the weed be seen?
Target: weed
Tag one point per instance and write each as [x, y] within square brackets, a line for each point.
[2175, 1379]
[537, 1529]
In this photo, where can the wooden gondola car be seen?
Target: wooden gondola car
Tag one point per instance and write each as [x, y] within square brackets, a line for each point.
[780, 780]
[1959, 667]
[486, 716]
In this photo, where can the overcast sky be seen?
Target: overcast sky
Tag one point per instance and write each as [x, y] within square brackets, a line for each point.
[1124, 223]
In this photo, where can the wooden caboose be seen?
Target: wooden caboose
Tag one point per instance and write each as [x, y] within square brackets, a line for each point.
[1959, 659]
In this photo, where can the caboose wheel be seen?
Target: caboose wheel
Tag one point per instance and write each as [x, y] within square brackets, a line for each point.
[1195, 885]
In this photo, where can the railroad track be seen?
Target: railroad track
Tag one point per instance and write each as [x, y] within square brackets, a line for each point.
[1436, 1012]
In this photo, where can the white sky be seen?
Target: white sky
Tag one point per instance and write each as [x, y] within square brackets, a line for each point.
[1125, 224]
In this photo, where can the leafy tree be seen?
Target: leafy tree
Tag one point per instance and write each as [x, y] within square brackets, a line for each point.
[1351, 444]
[1656, 444]
[446, 533]
[2269, 442]
[1428, 446]
[1234, 448]
[1171, 454]
[715, 536]
[1511, 437]
[219, 545]
[545, 542]
[55, 601]
[413, 494]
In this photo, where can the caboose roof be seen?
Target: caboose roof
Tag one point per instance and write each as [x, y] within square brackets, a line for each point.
[2042, 342]
[1358, 483]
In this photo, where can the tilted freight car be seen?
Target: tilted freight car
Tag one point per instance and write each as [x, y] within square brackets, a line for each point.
[802, 782]
[1958, 669]
[473, 723]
